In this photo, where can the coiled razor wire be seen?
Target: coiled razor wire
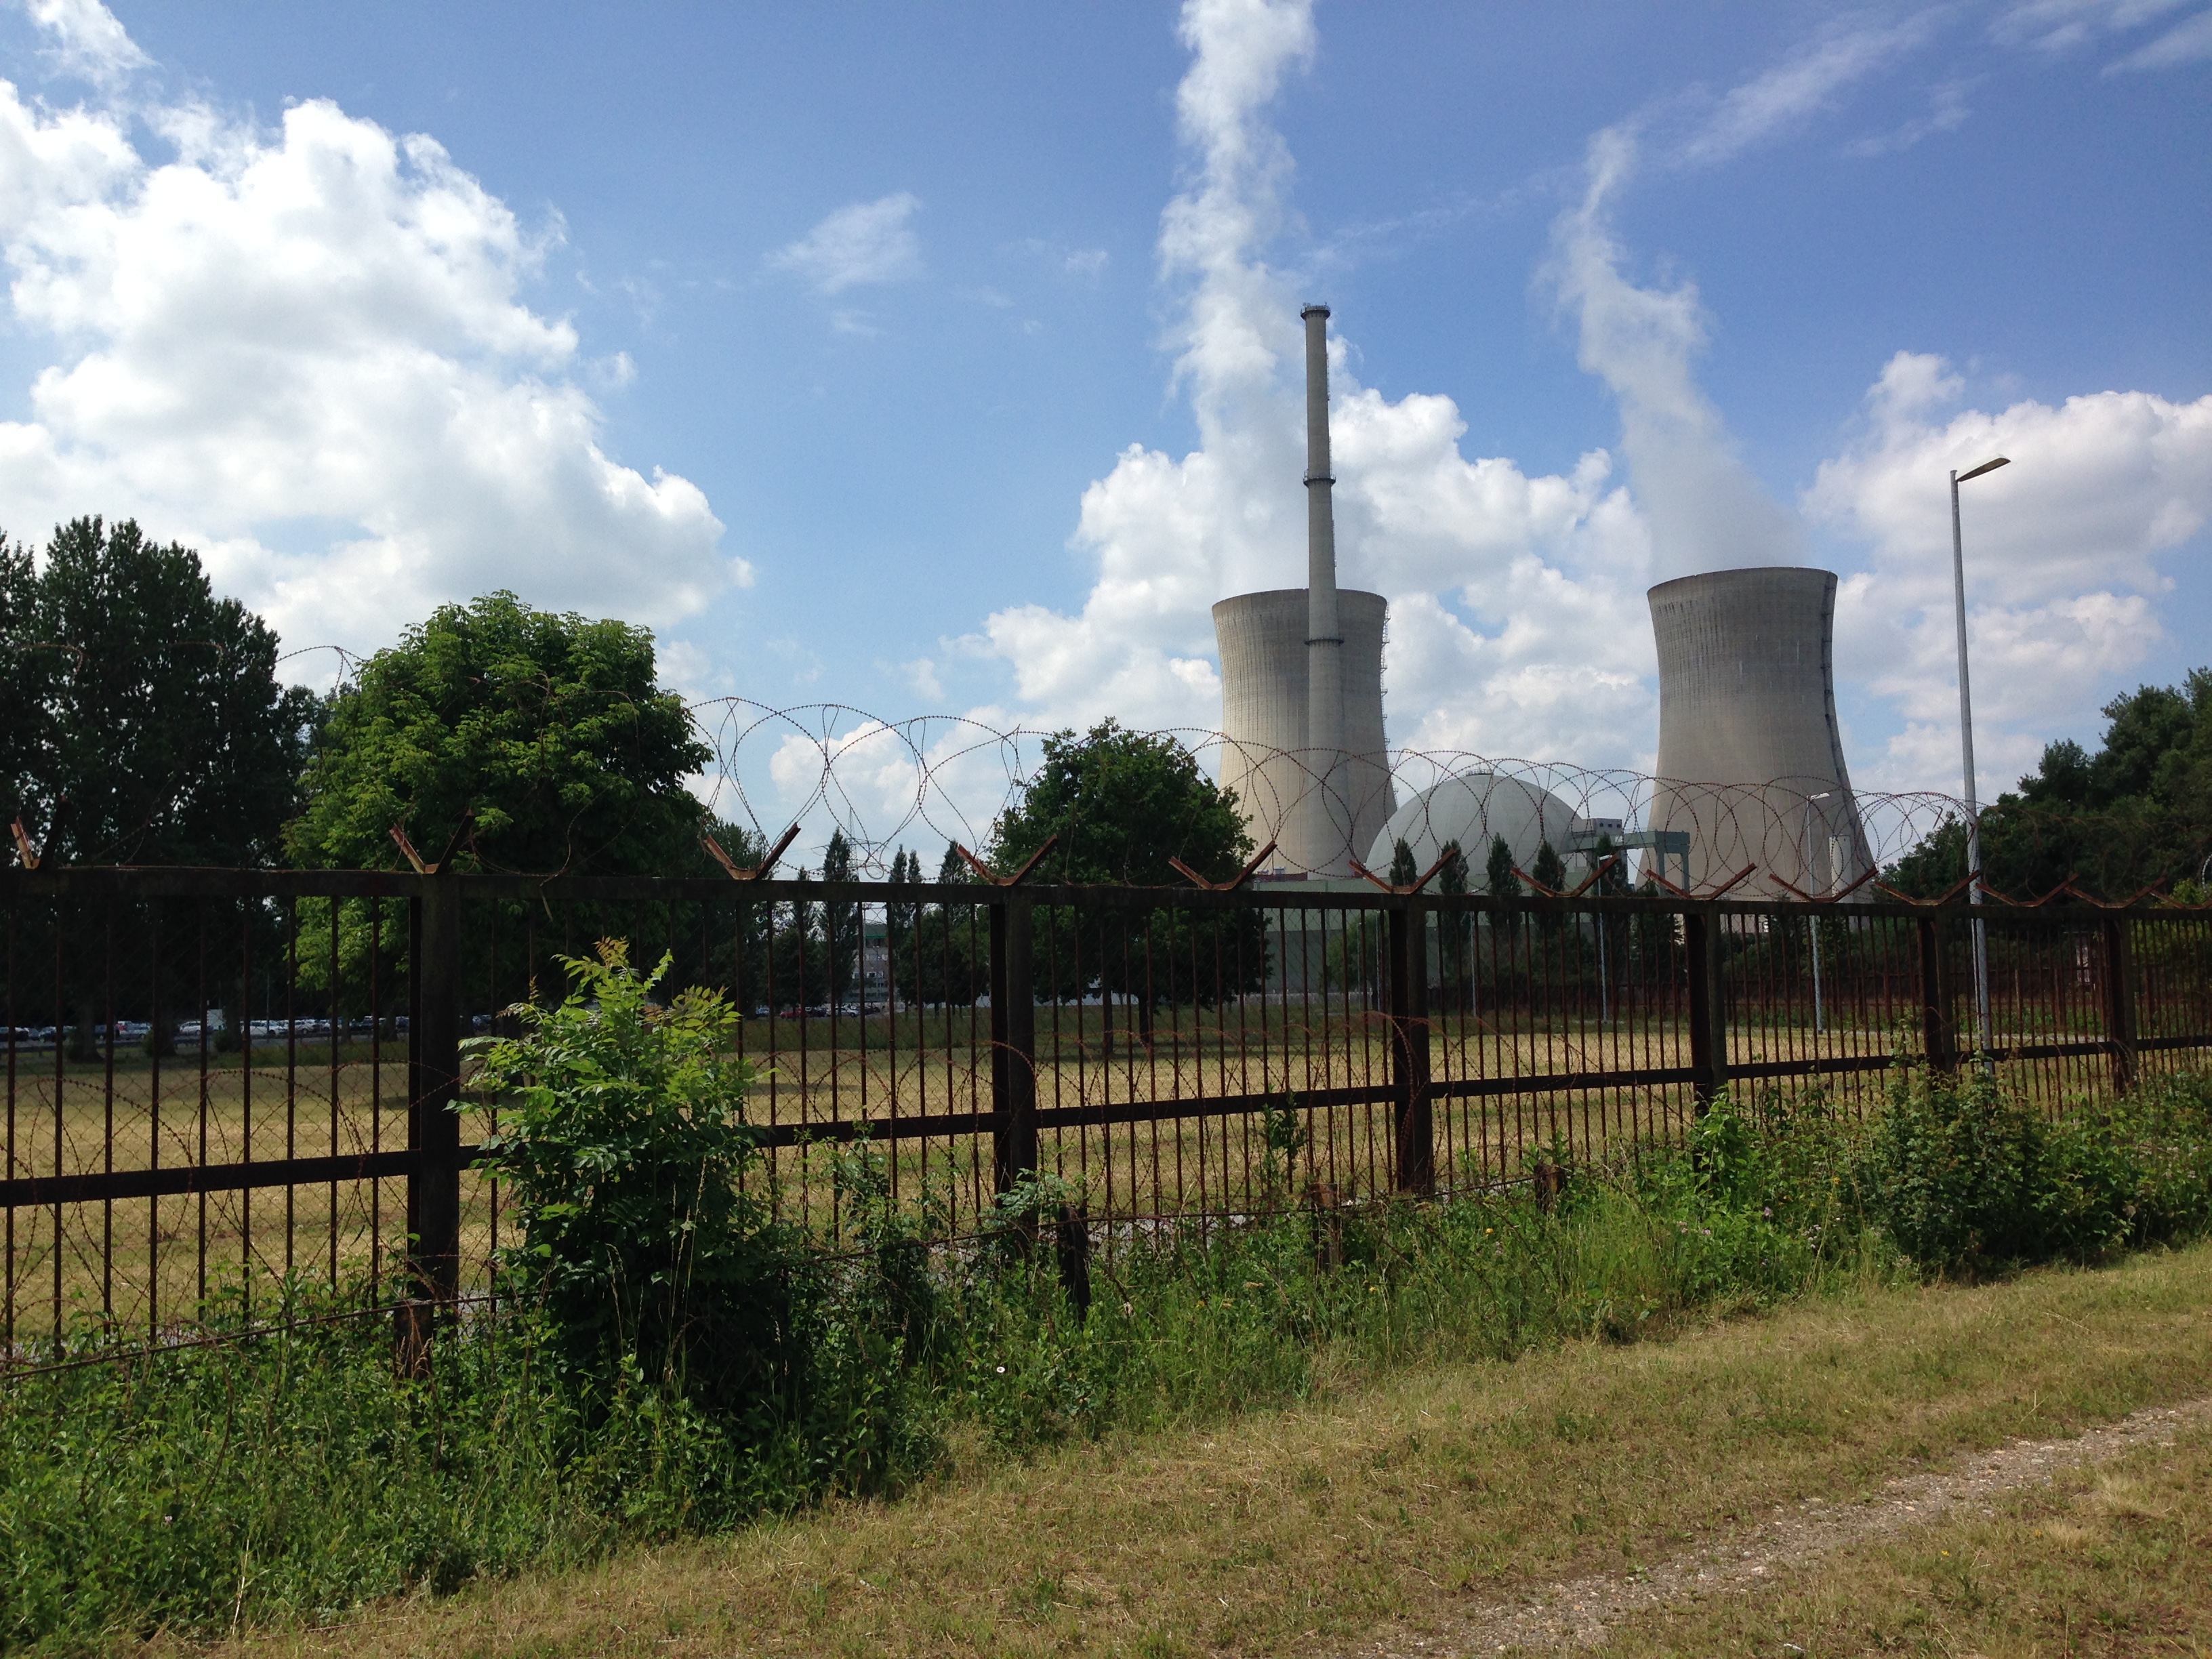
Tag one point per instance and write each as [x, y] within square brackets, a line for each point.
[936, 779]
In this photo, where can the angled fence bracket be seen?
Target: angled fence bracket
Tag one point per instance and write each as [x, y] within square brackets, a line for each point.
[1234, 882]
[984, 873]
[758, 871]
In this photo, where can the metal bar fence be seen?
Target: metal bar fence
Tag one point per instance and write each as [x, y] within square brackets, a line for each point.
[223, 1083]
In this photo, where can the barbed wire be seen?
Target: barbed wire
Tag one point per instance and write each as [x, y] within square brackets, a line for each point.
[885, 785]
[929, 780]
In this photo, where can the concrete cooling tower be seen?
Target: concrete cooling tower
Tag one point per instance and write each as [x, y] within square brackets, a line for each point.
[1269, 757]
[1302, 684]
[1751, 764]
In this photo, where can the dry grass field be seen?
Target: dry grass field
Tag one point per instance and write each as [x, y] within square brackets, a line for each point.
[140, 1261]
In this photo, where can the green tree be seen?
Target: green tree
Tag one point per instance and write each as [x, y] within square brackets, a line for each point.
[1403, 870]
[1550, 870]
[1123, 804]
[2137, 810]
[145, 723]
[1455, 942]
[841, 923]
[1499, 880]
[142, 722]
[552, 729]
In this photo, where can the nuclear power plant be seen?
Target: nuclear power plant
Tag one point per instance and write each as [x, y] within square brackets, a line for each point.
[1752, 788]
[1751, 762]
[1302, 684]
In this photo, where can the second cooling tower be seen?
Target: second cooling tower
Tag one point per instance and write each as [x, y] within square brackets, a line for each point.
[1266, 757]
[1751, 762]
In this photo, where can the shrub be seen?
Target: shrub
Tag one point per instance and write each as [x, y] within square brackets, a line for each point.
[720, 1356]
[621, 1138]
[1954, 1169]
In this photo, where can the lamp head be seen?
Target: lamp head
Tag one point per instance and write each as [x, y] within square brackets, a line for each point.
[1991, 465]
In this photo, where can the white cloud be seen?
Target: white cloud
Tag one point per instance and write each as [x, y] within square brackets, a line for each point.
[2058, 25]
[1947, 112]
[865, 243]
[87, 40]
[2189, 42]
[304, 352]
[1804, 84]
[2063, 556]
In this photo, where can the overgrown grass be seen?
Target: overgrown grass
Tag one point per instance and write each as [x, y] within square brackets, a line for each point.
[293, 1476]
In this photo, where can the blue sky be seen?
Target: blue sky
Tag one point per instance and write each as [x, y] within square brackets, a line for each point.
[820, 337]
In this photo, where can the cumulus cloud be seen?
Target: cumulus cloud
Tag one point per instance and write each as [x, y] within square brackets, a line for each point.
[304, 351]
[1517, 601]
[865, 243]
[2064, 552]
[87, 40]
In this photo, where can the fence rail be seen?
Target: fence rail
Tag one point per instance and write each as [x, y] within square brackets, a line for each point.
[220, 1080]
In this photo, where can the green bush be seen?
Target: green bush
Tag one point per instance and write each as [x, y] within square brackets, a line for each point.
[622, 1140]
[1954, 1172]
[660, 1280]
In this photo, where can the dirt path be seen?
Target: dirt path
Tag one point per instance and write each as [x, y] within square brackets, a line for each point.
[1578, 1613]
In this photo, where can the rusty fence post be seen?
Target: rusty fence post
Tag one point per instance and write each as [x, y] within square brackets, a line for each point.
[2120, 1002]
[1703, 954]
[434, 1127]
[1415, 1137]
[1938, 1021]
[1014, 1038]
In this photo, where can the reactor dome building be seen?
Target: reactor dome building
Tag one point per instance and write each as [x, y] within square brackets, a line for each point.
[1750, 761]
[1474, 809]
[1302, 684]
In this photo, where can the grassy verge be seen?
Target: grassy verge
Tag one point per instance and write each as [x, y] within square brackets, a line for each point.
[695, 1370]
[2104, 1561]
[1389, 1510]
[293, 1478]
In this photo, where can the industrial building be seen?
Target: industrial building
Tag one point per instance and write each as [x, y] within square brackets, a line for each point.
[1472, 808]
[1750, 761]
[1302, 685]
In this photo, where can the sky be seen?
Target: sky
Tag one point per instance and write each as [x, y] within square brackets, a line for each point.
[938, 360]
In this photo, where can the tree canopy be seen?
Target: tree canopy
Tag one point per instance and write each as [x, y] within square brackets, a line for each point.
[1122, 803]
[2138, 810]
[551, 728]
[141, 718]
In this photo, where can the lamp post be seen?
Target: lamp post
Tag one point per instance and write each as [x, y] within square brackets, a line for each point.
[1819, 1015]
[1967, 747]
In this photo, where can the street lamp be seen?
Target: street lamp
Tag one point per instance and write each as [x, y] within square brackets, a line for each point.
[1820, 1015]
[1967, 745]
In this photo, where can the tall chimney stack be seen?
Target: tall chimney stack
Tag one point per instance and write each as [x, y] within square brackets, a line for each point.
[1329, 802]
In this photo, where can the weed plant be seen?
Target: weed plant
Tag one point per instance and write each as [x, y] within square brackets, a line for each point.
[293, 1476]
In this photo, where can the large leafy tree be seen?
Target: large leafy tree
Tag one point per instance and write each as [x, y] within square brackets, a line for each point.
[1123, 804]
[549, 728]
[141, 717]
[2137, 810]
